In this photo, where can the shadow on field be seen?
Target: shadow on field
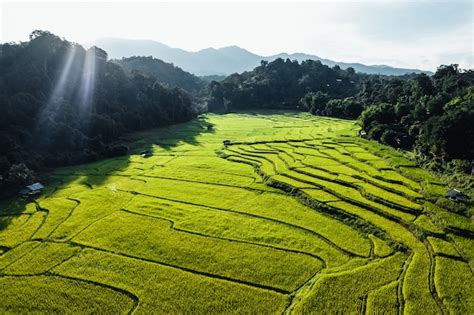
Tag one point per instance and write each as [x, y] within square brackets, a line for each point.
[184, 133]
[96, 173]
[9, 209]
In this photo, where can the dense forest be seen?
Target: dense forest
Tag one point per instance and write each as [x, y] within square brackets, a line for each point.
[62, 104]
[281, 84]
[166, 73]
[431, 115]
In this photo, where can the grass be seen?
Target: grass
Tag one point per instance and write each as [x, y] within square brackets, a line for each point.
[416, 291]
[454, 281]
[241, 227]
[298, 215]
[425, 223]
[381, 248]
[465, 245]
[383, 300]
[54, 294]
[20, 228]
[17, 253]
[443, 247]
[41, 259]
[449, 219]
[350, 286]
[165, 289]
[152, 239]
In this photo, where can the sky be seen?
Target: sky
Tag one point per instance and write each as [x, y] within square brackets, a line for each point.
[413, 34]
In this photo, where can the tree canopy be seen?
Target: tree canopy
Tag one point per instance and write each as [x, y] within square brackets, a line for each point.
[62, 104]
[432, 115]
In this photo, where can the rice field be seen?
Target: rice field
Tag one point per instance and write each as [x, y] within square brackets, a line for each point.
[296, 215]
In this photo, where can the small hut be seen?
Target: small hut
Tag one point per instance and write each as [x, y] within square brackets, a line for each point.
[31, 190]
[362, 133]
[146, 153]
[456, 195]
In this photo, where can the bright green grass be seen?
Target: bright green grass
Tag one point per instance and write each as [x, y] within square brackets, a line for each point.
[17, 253]
[443, 247]
[53, 294]
[416, 284]
[465, 246]
[153, 239]
[389, 196]
[383, 300]
[399, 178]
[350, 286]
[241, 227]
[282, 221]
[381, 249]
[420, 175]
[58, 211]
[277, 207]
[454, 281]
[41, 259]
[95, 205]
[426, 224]
[449, 219]
[169, 290]
[415, 289]
[20, 228]
[389, 186]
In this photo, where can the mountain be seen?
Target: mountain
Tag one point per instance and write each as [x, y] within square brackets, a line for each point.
[222, 61]
[165, 73]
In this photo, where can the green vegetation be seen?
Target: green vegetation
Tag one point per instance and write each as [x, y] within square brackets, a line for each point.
[454, 282]
[431, 116]
[166, 73]
[62, 105]
[295, 215]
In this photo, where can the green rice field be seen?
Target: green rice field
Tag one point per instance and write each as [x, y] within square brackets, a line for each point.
[296, 215]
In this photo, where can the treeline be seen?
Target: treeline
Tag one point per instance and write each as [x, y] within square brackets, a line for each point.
[434, 116]
[281, 84]
[62, 104]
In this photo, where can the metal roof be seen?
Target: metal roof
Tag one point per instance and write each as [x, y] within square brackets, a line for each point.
[35, 186]
[454, 192]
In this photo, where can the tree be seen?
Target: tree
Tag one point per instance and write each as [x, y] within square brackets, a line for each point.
[56, 99]
[19, 175]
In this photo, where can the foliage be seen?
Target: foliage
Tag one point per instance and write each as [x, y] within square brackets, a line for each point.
[62, 104]
[19, 175]
[430, 115]
[283, 84]
[165, 73]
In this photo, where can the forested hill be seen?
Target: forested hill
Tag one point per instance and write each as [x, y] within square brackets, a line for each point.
[165, 73]
[62, 104]
[433, 116]
[281, 84]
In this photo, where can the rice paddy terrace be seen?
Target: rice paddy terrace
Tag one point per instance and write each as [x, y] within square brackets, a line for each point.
[295, 215]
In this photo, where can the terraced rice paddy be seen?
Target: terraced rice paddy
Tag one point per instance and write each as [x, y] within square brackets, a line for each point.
[296, 215]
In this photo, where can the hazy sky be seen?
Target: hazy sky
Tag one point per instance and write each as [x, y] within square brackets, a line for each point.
[419, 34]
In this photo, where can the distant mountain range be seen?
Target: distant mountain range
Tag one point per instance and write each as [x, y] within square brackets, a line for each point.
[222, 61]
